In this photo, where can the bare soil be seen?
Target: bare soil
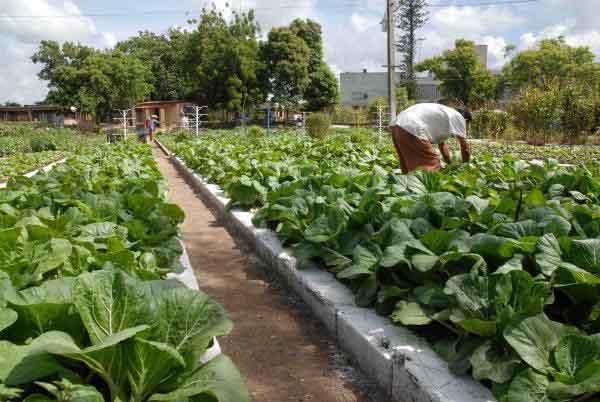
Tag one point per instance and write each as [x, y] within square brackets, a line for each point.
[284, 354]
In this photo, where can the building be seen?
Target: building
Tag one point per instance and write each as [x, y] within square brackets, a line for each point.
[31, 113]
[168, 113]
[46, 114]
[359, 89]
[482, 52]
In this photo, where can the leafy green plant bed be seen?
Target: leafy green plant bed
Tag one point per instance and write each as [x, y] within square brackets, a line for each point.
[19, 139]
[573, 154]
[18, 164]
[495, 262]
[85, 311]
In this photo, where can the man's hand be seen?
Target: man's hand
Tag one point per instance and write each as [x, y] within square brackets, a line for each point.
[445, 151]
[464, 150]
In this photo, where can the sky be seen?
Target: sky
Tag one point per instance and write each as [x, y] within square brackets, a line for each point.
[352, 33]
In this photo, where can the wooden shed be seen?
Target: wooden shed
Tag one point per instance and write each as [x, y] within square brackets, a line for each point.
[168, 113]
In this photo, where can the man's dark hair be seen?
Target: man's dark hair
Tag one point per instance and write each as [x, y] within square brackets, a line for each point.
[465, 112]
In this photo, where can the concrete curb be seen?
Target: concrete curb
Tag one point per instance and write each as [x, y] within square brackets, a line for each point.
[162, 147]
[46, 168]
[403, 364]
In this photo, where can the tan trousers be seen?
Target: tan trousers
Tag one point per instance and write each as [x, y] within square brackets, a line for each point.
[414, 152]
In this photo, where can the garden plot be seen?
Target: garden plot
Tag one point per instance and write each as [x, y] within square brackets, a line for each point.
[488, 261]
[85, 310]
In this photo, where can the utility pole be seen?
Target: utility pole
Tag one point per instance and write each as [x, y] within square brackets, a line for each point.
[380, 115]
[391, 62]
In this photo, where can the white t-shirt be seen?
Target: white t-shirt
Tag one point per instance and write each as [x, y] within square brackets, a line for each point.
[432, 122]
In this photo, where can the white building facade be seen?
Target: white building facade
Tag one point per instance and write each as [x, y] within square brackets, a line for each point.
[359, 89]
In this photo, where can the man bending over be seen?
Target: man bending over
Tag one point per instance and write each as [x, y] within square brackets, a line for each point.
[421, 127]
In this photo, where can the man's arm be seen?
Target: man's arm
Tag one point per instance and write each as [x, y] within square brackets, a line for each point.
[464, 149]
[445, 152]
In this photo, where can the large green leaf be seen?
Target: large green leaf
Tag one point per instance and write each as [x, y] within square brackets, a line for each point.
[549, 254]
[218, 378]
[108, 358]
[534, 339]
[22, 364]
[65, 391]
[110, 302]
[187, 320]
[490, 363]
[573, 353]
[410, 313]
[44, 308]
[587, 383]
[586, 254]
[529, 386]
[150, 365]
[7, 318]
[364, 263]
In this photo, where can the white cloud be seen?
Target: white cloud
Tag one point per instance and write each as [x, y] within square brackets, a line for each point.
[23, 24]
[470, 21]
[362, 23]
[570, 29]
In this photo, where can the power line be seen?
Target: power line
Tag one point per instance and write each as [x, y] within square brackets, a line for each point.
[359, 4]
[484, 3]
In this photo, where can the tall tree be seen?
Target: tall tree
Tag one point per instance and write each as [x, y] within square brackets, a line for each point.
[94, 81]
[551, 60]
[322, 89]
[223, 61]
[287, 61]
[462, 74]
[412, 15]
[163, 54]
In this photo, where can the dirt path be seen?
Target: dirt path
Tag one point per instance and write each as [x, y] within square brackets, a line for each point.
[284, 354]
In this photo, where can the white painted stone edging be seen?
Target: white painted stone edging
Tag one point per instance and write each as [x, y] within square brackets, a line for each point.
[402, 363]
[46, 168]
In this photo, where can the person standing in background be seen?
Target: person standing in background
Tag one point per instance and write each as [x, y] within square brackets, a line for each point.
[153, 126]
[147, 127]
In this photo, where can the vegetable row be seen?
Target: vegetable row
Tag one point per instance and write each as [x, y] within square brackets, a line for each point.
[496, 262]
[86, 313]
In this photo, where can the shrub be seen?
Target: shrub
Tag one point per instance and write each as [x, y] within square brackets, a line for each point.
[182, 135]
[489, 123]
[537, 111]
[317, 125]
[578, 110]
[256, 132]
[361, 136]
[40, 144]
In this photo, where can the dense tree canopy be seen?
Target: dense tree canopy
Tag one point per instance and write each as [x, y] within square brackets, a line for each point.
[164, 55]
[286, 57]
[462, 74]
[223, 61]
[219, 62]
[94, 81]
[295, 68]
[322, 89]
[552, 59]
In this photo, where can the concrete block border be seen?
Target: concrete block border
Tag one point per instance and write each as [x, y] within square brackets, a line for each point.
[46, 168]
[402, 363]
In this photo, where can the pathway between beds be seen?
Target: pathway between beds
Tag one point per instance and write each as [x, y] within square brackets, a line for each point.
[284, 354]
